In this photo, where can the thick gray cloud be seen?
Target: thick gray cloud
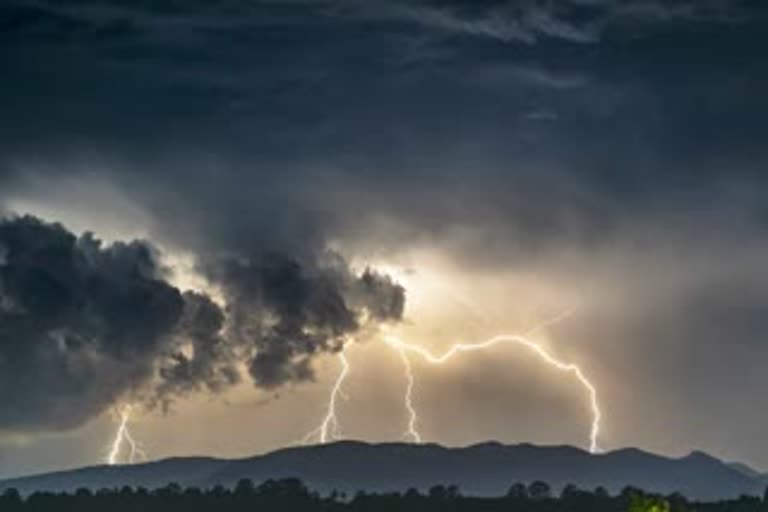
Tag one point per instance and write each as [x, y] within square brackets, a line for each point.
[81, 324]
[212, 363]
[84, 325]
[302, 309]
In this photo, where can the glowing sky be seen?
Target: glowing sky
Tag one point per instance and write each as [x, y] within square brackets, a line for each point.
[502, 163]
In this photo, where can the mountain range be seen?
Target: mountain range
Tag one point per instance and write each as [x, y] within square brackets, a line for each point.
[486, 469]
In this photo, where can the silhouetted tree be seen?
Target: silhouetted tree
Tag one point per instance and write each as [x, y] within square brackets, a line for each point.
[192, 492]
[170, 490]
[539, 490]
[601, 493]
[627, 494]
[443, 493]
[244, 488]
[518, 491]
[647, 503]
[10, 499]
[569, 491]
[291, 495]
[412, 493]
[677, 502]
[218, 491]
[629, 491]
[83, 493]
[282, 488]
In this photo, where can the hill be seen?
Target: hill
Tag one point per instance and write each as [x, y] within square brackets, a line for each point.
[486, 469]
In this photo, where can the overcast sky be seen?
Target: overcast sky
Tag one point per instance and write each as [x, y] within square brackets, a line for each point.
[240, 164]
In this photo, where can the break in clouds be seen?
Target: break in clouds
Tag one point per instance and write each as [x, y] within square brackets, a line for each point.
[84, 324]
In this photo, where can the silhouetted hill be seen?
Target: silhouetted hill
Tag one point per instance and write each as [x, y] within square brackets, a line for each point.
[486, 469]
[750, 472]
[745, 469]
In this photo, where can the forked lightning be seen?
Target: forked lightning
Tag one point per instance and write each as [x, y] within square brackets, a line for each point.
[412, 432]
[458, 348]
[123, 437]
[329, 428]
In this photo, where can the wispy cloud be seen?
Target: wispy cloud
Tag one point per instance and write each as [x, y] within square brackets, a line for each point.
[575, 21]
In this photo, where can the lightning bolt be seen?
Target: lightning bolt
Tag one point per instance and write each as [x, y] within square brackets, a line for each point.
[329, 428]
[412, 432]
[123, 436]
[403, 348]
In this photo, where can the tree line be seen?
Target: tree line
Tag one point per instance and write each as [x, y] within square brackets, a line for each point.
[292, 495]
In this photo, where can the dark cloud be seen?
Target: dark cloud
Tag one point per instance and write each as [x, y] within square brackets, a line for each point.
[211, 363]
[84, 325]
[81, 323]
[383, 298]
[304, 309]
[211, 77]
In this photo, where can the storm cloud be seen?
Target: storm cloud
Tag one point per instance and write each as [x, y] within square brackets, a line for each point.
[304, 310]
[84, 324]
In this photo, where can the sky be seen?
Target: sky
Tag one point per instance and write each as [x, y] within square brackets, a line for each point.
[202, 203]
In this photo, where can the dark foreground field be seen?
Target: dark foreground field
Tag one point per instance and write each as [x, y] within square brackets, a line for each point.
[292, 495]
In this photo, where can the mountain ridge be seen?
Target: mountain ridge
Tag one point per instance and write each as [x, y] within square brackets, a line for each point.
[483, 469]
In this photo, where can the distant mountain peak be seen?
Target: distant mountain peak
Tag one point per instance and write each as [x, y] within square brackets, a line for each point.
[700, 456]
